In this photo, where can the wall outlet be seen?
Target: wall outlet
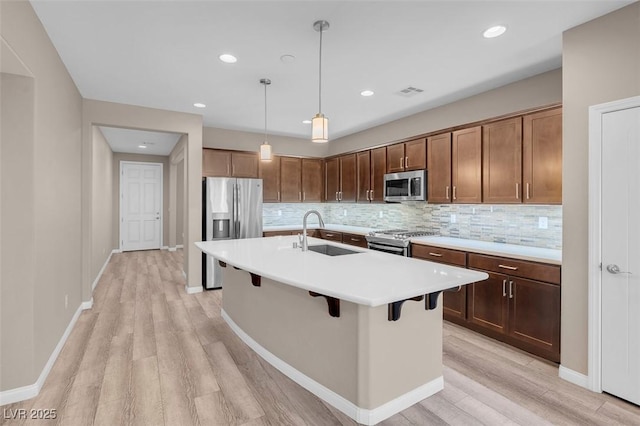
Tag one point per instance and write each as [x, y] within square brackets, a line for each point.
[66, 301]
[380, 214]
[345, 212]
[453, 218]
[543, 222]
[279, 212]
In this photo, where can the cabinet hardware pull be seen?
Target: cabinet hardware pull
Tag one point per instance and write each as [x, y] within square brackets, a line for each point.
[517, 192]
[402, 162]
[510, 289]
[435, 254]
[511, 268]
[336, 195]
[278, 195]
[233, 169]
[504, 288]
[300, 195]
[406, 162]
[228, 172]
[528, 190]
[371, 196]
[304, 196]
[446, 190]
[454, 192]
[368, 199]
[329, 235]
[354, 239]
[340, 195]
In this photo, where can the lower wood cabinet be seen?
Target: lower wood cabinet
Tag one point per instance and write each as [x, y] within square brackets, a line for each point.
[330, 235]
[518, 304]
[354, 240]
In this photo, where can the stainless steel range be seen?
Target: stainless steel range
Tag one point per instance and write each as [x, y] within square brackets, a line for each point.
[394, 241]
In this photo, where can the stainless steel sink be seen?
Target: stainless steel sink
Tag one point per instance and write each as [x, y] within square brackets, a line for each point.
[331, 250]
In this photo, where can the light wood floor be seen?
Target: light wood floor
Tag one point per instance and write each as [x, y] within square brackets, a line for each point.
[148, 353]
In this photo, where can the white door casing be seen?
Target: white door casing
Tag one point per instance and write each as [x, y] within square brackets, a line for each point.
[140, 206]
[614, 249]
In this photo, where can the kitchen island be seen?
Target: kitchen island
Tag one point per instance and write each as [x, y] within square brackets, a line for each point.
[362, 331]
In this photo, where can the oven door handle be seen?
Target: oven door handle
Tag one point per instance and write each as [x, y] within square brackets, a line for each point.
[386, 248]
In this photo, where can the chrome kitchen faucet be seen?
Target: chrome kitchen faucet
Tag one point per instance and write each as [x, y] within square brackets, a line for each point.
[303, 237]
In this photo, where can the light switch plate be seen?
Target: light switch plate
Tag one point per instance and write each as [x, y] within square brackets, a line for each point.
[543, 222]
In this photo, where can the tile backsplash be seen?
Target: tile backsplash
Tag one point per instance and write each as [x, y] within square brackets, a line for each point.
[536, 226]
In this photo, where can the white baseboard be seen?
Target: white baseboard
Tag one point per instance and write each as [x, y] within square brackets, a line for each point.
[87, 305]
[95, 282]
[172, 249]
[361, 415]
[193, 290]
[179, 246]
[116, 251]
[573, 377]
[184, 274]
[27, 392]
[164, 248]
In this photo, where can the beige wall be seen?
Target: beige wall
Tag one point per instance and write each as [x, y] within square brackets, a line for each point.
[49, 265]
[601, 63]
[247, 141]
[540, 90]
[103, 200]
[115, 206]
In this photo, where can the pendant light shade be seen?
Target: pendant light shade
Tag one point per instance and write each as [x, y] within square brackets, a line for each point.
[265, 148]
[320, 123]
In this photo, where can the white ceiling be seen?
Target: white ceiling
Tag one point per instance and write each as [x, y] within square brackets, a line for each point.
[126, 140]
[164, 54]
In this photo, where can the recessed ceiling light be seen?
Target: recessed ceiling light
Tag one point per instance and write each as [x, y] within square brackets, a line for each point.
[199, 105]
[142, 146]
[367, 93]
[496, 31]
[306, 121]
[227, 58]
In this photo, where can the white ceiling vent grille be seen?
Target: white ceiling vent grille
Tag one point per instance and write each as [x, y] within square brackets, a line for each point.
[410, 91]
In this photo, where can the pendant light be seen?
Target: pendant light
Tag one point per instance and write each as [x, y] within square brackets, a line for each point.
[265, 148]
[320, 123]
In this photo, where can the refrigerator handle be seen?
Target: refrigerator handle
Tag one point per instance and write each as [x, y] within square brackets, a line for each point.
[236, 216]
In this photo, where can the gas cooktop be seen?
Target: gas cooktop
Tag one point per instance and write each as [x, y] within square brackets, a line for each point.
[400, 234]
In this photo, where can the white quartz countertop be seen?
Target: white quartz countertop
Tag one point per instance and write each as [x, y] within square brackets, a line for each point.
[370, 278]
[329, 227]
[535, 254]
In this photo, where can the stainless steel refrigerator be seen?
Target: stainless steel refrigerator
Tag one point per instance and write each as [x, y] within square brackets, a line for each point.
[232, 208]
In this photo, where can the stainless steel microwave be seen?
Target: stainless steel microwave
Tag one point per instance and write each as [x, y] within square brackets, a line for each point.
[405, 186]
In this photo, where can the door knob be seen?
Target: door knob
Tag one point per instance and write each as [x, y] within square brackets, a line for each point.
[615, 269]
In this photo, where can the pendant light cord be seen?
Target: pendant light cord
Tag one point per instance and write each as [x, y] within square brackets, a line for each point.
[320, 75]
[265, 112]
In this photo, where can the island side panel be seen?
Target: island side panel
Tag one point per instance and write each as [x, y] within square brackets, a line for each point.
[296, 328]
[398, 357]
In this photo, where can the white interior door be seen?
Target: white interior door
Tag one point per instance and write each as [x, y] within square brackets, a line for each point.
[140, 206]
[620, 239]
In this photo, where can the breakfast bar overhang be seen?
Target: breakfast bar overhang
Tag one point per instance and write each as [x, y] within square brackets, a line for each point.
[362, 331]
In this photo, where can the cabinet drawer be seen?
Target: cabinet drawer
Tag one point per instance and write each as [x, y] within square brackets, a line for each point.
[330, 235]
[354, 240]
[514, 267]
[437, 254]
[275, 233]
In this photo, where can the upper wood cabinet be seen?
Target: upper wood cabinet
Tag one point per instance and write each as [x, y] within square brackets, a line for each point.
[312, 180]
[370, 169]
[439, 168]
[542, 157]
[222, 163]
[290, 179]
[269, 172]
[466, 165]
[502, 161]
[406, 156]
[340, 178]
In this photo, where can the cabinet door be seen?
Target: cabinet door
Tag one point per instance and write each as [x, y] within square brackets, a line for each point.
[290, 182]
[415, 155]
[502, 161]
[216, 163]
[269, 172]
[439, 168]
[332, 179]
[534, 316]
[363, 175]
[542, 157]
[244, 164]
[312, 180]
[354, 240]
[454, 304]
[348, 178]
[466, 165]
[378, 169]
[395, 158]
[488, 305]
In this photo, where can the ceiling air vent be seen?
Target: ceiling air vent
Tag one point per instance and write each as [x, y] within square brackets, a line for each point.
[410, 91]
